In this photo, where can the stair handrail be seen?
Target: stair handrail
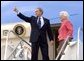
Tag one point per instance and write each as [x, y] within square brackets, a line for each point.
[17, 44]
[66, 40]
[78, 41]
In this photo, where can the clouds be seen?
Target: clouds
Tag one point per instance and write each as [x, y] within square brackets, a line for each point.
[27, 9]
[51, 9]
[5, 3]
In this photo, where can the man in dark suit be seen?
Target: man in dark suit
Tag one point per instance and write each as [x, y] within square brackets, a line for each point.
[40, 26]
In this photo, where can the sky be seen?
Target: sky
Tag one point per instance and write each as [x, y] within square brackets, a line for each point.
[51, 11]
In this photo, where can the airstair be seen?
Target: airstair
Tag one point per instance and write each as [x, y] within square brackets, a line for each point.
[22, 51]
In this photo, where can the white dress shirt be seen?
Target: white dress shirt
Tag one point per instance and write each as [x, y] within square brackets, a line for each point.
[42, 21]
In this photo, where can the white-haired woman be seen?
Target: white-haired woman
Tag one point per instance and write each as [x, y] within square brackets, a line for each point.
[65, 30]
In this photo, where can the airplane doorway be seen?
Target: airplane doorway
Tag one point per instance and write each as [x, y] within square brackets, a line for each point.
[55, 28]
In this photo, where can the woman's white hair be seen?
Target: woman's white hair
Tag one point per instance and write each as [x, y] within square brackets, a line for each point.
[64, 13]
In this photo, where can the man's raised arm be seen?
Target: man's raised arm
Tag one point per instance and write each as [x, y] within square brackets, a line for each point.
[27, 19]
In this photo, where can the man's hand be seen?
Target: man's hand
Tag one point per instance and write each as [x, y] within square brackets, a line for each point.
[15, 10]
[51, 42]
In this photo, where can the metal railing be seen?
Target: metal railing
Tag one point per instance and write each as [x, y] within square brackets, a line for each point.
[67, 39]
[15, 53]
[78, 41]
[62, 48]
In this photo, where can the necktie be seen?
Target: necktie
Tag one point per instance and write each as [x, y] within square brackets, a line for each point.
[39, 22]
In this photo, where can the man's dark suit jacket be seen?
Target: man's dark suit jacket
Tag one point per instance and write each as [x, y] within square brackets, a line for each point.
[35, 31]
